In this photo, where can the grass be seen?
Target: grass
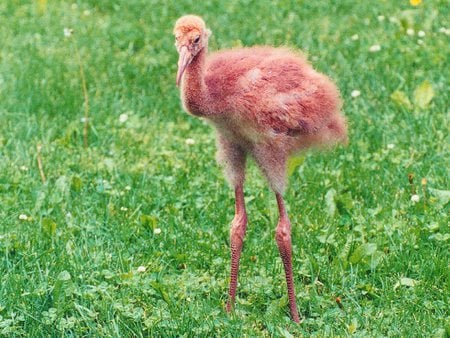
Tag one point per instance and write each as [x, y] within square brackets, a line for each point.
[140, 195]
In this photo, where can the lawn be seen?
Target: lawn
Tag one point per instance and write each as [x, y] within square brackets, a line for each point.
[129, 236]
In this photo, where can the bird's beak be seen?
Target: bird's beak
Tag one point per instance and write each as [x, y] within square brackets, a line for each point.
[183, 61]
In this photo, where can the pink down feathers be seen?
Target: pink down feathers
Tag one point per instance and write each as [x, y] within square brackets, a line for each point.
[267, 103]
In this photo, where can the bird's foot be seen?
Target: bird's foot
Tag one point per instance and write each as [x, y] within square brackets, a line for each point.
[229, 307]
[294, 316]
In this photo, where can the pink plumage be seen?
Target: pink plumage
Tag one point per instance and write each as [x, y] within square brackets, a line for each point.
[265, 102]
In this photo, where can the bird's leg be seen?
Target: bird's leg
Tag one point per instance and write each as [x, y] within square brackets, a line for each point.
[283, 238]
[237, 233]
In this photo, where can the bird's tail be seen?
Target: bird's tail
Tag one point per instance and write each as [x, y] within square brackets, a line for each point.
[336, 130]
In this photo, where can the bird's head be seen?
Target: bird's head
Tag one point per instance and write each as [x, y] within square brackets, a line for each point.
[191, 36]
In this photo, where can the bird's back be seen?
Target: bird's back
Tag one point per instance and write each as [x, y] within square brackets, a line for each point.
[274, 90]
[231, 72]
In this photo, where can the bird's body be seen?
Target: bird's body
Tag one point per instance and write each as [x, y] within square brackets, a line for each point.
[264, 97]
[264, 102]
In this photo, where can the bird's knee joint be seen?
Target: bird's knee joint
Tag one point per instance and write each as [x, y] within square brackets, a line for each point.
[283, 235]
[239, 221]
[239, 226]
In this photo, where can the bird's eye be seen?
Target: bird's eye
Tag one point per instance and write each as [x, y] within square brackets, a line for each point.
[197, 39]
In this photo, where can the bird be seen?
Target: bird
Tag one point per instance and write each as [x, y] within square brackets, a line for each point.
[265, 103]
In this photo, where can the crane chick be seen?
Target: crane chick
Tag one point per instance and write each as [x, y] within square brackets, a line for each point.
[267, 103]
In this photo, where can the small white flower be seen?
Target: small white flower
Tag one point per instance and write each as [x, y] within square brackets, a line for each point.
[189, 141]
[74, 6]
[410, 31]
[69, 214]
[123, 208]
[420, 42]
[128, 188]
[23, 168]
[354, 37]
[420, 34]
[157, 231]
[390, 146]
[87, 12]
[393, 19]
[123, 118]
[68, 32]
[415, 198]
[381, 18]
[23, 217]
[141, 269]
[355, 93]
[84, 119]
[444, 30]
[375, 48]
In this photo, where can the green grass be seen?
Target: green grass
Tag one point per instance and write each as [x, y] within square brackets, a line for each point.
[70, 267]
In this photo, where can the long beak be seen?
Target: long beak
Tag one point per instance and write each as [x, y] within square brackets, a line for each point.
[183, 61]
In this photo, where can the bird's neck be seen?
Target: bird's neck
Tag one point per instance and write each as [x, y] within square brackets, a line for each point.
[194, 85]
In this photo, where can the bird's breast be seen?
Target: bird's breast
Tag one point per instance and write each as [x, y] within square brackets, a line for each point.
[193, 103]
[193, 107]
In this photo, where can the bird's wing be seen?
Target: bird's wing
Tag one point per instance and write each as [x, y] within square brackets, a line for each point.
[272, 89]
[303, 106]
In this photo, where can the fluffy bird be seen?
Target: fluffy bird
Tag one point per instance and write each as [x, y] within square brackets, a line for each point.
[264, 102]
